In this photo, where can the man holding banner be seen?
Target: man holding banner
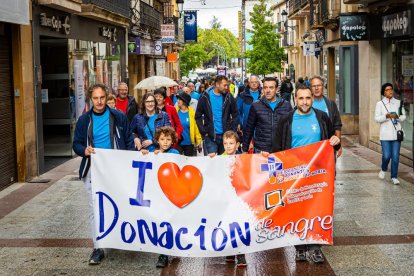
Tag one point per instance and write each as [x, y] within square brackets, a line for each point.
[101, 127]
[300, 127]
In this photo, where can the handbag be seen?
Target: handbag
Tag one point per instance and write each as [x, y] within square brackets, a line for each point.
[400, 133]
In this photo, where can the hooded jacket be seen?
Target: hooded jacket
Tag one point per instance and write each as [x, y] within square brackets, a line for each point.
[121, 136]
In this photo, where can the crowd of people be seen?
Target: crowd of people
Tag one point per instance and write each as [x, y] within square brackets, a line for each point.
[265, 116]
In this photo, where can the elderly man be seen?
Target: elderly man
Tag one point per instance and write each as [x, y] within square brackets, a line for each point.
[303, 126]
[193, 102]
[125, 103]
[193, 93]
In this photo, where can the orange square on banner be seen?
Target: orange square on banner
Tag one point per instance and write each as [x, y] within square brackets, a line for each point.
[172, 57]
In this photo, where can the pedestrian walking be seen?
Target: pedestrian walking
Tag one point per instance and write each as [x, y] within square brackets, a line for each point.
[326, 105]
[216, 113]
[286, 89]
[191, 138]
[300, 127]
[263, 118]
[145, 124]
[126, 103]
[389, 113]
[101, 127]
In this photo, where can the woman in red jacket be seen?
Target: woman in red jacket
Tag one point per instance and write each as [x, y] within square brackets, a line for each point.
[160, 95]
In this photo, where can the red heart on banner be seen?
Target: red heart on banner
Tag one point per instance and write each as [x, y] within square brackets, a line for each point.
[180, 186]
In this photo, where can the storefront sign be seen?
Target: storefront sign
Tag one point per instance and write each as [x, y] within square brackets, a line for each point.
[354, 27]
[311, 48]
[396, 24]
[158, 48]
[168, 33]
[109, 33]
[172, 57]
[59, 24]
[147, 47]
[160, 67]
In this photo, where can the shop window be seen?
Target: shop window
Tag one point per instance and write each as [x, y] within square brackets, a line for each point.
[346, 74]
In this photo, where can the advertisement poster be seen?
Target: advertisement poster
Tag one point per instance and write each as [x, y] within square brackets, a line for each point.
[205, 207]
[190, 26]
[80, 99]
[160, 67]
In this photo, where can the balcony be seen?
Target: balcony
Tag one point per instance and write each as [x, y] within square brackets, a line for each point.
[330, 12]
[150, 19]
[299, 8]
[71, 6]
[120, 7]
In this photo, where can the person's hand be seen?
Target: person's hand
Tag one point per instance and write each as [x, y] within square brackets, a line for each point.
[146, 143]
[339, 152]
[199, 148]
[137, 143]
[89, 150]
[144, 151]
[394, 116]
[334, 140]
[157, 151]
[264, 154]
[212, 154]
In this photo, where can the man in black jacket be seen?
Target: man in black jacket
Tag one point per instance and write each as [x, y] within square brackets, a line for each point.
[216, 113]
[263, 118]
[327, 105]
[286, 89]
[300, 127]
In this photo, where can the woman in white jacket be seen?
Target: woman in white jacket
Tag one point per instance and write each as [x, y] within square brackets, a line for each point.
[389, 114]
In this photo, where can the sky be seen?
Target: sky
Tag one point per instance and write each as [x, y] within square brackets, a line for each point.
[224, 10]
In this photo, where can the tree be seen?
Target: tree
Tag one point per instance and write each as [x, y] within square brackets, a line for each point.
[266, 55]
[215, 23]
[192, 57]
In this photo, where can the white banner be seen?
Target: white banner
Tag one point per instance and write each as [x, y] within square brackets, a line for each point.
[200, 207]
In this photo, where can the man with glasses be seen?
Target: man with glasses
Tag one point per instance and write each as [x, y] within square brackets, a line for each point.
[216, 113]
[326, 105]
[125, 103]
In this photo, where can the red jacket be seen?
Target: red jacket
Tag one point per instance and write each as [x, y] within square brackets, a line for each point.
[168, 101]
[174, 119]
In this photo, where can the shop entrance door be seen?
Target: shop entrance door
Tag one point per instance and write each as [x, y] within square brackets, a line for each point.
[8, 164]
[57, 101]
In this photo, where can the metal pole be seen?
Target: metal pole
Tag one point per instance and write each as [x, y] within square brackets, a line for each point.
[243, 7]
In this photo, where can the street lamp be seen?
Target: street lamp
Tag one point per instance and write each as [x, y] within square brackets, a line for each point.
[180, 4]
[284, 15]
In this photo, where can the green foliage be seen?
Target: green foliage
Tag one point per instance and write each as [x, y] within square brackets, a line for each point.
[195, 54]
[266, 55]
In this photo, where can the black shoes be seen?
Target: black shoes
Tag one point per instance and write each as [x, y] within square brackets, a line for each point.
[162, 261]
[316, 256]
[96, 256]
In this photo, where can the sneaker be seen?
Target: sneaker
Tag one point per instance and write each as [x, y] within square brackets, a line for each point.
[395, 181]
[300, 255]
[381, 174]
[241, 260]
[96, 257]
[162, 261]
[230, 259]
[316, 256]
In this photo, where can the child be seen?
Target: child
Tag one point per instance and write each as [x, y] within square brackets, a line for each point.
[111, 101]
[165, 138]
[231, 142]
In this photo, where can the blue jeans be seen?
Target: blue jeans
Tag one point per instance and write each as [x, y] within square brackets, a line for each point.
[390, 150]
[211, 145]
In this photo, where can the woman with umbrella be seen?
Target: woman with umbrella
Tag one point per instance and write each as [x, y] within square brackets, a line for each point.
[145, 124]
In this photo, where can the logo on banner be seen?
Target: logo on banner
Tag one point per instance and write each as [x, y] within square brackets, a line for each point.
[190, 26]
[274, 167]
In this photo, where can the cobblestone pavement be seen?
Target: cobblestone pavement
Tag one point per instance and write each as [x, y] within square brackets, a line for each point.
[44, 230]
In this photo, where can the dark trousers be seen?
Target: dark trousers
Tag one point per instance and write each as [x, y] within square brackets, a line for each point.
[213, 146]
[187, 150]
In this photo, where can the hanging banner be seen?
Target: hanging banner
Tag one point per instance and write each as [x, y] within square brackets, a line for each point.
[190, 26]
[167, 33]
[205, 207]
[158, 48]
[311, 48]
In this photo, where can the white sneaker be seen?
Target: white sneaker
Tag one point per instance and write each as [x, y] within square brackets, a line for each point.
[381, 174]
[395, 181]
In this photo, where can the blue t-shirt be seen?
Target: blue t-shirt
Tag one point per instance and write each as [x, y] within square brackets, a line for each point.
[195, 95]
[100, 130]
[321, 105]
[185, 122]
[172, 150]
[174, 99]
[150, 131]
[217, 108]
[305, 129]
[255, 95]
[273, 104]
